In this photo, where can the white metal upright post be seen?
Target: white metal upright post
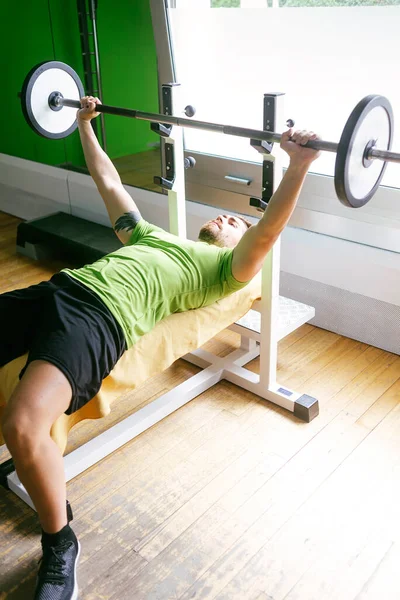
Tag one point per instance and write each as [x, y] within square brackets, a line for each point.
[174, 163]
[271, 268]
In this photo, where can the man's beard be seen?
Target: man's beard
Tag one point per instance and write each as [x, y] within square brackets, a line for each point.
[208, 234]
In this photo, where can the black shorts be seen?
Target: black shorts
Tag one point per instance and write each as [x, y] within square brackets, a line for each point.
[64, 323]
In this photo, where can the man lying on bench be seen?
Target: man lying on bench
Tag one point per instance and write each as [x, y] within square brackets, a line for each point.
[77, 325]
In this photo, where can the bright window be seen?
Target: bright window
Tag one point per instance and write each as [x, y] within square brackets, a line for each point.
[324, 54]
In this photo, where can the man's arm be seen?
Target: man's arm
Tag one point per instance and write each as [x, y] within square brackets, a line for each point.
[122, 210]
[250, 253]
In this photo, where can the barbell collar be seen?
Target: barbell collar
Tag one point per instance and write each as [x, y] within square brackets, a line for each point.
[269, 136]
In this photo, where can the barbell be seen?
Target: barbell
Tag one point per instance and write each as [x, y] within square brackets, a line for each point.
[51, 94]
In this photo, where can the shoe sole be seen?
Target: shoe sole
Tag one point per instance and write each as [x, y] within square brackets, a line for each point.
[75, 590]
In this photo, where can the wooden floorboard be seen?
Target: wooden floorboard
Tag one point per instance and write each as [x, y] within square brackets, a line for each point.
[231, 497]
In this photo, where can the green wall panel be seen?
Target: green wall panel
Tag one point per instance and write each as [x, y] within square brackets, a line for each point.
[33, 32]
[26, 40]
[129, 72]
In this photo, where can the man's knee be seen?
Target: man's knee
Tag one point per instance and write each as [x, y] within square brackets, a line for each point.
[16, 432]
[20, 434]
[41, 396]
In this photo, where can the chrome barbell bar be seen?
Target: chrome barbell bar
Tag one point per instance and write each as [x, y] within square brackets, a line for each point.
[257, 134]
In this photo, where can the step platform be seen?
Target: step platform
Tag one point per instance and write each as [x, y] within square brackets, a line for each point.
[63, 236]
[292, 315]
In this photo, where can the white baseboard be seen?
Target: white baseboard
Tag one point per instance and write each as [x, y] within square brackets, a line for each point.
[27, 206]
[353, 267]
[35, 188]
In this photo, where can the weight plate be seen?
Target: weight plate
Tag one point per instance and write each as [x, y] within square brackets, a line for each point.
[356, 177]
[40, 83]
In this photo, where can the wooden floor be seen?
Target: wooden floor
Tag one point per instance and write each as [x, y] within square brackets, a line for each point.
[231, 497]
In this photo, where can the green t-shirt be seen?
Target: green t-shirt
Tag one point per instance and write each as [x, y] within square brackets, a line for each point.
[156, 274]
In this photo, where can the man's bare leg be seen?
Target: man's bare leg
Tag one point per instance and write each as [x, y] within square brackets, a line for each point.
[42, 395]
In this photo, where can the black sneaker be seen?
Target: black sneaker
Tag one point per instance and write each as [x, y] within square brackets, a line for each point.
[56, 579]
